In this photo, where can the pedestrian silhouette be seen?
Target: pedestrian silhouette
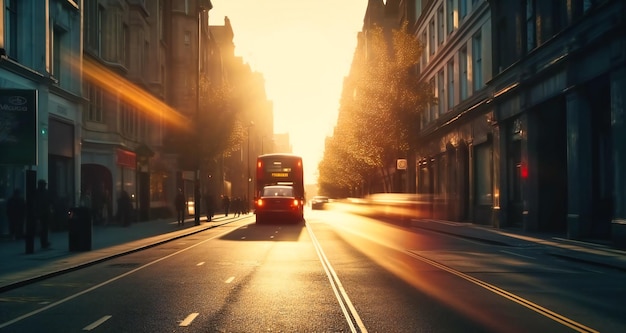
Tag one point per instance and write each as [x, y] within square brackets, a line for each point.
[235, 206]
[180, 204]
[124, 208]
[210, 207]
[16, 213]
[225, 204]
[43, 211]
[98, 204]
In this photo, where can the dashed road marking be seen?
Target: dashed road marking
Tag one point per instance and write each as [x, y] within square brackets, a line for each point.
[97, 323]
[189, 319]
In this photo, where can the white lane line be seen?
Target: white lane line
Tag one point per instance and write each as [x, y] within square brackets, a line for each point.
[111, 280]
[517, 254]
[200, 263]
[230, 279]
[96, 323]
[340, 292]
[189, 319]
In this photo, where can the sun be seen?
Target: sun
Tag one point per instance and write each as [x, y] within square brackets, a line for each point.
[303, 51]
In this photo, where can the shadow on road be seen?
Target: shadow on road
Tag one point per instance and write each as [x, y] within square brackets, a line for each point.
[276, 232]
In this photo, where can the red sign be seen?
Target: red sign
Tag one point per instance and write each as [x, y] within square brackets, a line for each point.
[126, 158]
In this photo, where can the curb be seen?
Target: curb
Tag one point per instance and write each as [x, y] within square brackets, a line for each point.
[59, 272]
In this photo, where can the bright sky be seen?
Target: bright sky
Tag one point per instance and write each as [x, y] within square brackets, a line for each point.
[303, 49]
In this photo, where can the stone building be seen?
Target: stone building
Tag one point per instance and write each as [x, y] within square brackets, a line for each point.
[40, 97]
[126, 47]
[527, 131]
[557, 94]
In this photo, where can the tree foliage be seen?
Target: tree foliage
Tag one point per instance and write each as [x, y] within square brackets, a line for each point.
[220, 127]
[213, 131]
[379, 113]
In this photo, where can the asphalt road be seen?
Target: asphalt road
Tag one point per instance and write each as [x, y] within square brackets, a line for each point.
[335, 273]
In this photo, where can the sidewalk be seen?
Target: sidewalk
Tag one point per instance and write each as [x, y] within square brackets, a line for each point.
[18, 268]
[587, 252]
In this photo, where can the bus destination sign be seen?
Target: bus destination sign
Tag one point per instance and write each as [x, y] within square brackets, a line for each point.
[280, 174]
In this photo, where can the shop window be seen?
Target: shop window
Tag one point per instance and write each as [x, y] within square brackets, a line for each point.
[482, 173]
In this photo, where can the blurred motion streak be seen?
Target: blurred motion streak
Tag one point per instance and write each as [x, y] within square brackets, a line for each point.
[394, 249]
[403, 206]
[98, 74]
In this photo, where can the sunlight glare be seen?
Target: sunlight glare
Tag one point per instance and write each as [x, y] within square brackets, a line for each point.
[114, 84]
[304, 50]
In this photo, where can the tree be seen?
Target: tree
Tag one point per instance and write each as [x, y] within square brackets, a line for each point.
[380, 111]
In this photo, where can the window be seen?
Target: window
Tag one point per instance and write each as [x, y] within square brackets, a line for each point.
[433, 106]
[441, 84]
[161, 21]
[440, 25]
[58, 52]
[463, 73]
[531, 34]
[115, 46]
[559, 16]
[450, 16]
[506, 45]
[441, 182]
[483, 174]
[10, 26]
[431, 45]
[125, 45]
[145, 59]
[100, 21]
[425, 184]
[462, 8]
[451, 84]
[129, 120]
[94, 109]
[425, 49]
[418, 8]
[94, 21]
[477, 64]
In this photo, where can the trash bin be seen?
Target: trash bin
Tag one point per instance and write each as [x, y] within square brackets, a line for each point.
[80, 229]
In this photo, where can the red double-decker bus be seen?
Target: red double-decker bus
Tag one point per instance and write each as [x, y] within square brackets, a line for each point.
[274, 171]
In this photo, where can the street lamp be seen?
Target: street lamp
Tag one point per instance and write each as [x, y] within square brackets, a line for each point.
[249, 175]
[203, 5]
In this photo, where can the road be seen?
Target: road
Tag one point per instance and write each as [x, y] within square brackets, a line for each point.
[335, 273]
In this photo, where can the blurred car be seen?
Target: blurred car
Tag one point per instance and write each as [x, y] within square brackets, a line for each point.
[319, 201]
[278, 202]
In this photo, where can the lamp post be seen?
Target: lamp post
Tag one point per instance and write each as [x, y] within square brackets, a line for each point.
[203, 5]
[248, 168]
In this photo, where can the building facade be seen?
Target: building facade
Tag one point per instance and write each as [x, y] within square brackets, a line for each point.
[40, 55]
[455, 154]
[107, 85]
[559, 112]
[125, 109]
[527, 128]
